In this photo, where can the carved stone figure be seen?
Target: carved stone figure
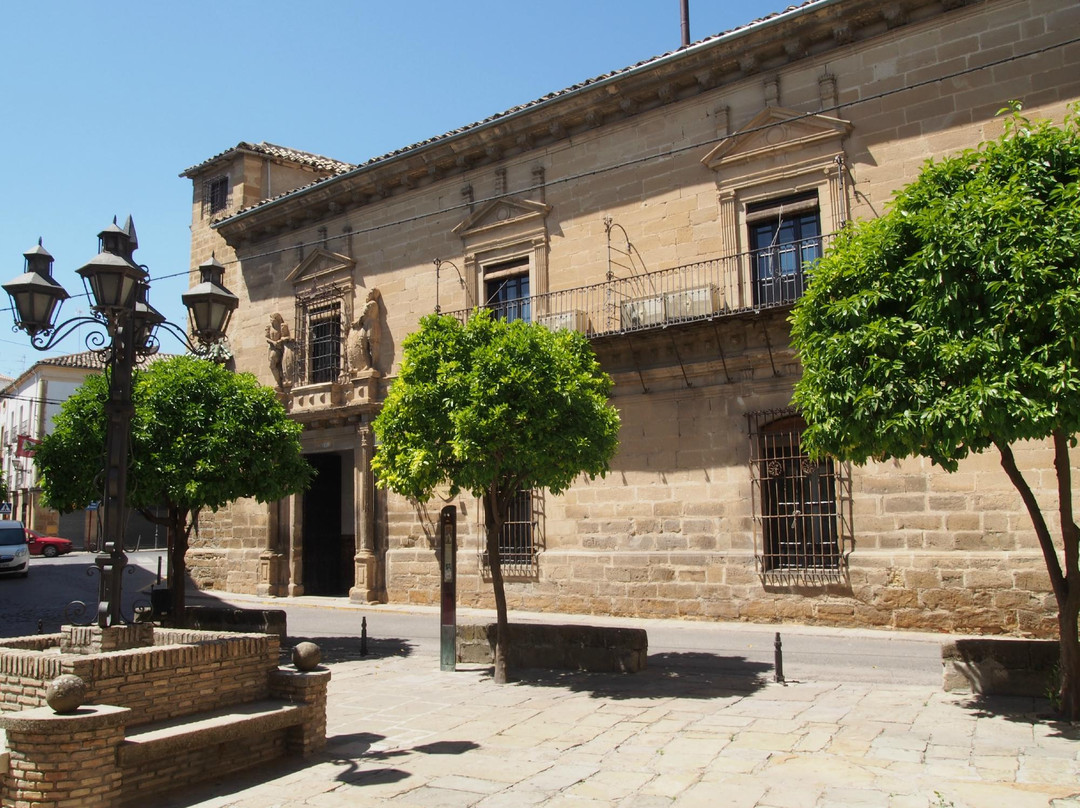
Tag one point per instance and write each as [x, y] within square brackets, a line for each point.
[279, 351]
[365, 335]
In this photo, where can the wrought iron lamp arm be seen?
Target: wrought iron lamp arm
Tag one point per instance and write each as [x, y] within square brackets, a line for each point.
[96, 340]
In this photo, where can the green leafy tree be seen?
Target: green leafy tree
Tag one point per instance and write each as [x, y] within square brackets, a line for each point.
[4, 493]
[201, 437]
[948, 326]
[491, 408]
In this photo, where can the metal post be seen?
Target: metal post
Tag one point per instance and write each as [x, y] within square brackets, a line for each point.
[778, 660]
[112, 561]
[448, 612]
[363, 636]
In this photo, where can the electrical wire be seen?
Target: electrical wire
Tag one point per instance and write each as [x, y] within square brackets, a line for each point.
[643, 159]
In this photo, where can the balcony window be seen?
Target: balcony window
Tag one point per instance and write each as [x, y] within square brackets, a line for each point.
[785, 235]
[506, 290]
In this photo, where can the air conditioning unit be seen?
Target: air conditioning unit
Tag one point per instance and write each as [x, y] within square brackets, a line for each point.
[690, 303]
[570, 320]
[643, 312]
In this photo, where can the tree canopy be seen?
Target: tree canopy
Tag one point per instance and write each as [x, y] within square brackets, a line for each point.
[494, 407]
[201, 437]
[948, 326]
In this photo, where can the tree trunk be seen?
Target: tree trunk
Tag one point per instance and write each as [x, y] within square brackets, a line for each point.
[1069, 665]
[495, 516]
[178, 547]
[1064, 583]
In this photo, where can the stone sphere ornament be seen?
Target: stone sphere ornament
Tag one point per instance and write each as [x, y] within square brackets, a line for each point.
[306, 656]
[66, 693]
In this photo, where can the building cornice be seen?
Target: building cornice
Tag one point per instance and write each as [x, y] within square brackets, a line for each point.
[763, 47]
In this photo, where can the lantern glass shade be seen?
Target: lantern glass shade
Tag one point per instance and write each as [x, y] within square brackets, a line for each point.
[209, 304]
[113, 281]
[146, 321]
[35, 295]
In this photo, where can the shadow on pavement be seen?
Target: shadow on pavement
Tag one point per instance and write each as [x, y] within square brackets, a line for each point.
[348, 649]
[1023, 710]
[686, 675]
[354, 752]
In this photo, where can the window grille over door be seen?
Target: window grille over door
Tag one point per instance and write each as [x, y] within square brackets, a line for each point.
[802, 507]
[785, 236]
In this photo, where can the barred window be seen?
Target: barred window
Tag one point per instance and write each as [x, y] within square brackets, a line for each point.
[325, 347]
[215, 195]
[802, 506]
[520, 537]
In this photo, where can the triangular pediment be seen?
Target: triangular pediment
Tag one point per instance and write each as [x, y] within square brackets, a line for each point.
[774, 130]
[500, 212]
[323, 266]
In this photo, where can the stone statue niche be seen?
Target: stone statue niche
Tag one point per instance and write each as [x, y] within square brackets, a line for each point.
[365, 336]
[281, 352]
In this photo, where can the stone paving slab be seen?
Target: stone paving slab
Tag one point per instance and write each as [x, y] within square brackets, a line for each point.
[403, 733]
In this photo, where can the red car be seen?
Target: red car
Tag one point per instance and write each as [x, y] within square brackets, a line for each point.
[48, 546]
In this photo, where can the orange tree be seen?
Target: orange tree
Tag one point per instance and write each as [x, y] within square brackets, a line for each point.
[201, 437]
[493, 407]
[948, 326]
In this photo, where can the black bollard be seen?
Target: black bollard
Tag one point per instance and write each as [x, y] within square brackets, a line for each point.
[363, 636]
[40, 626]
[778, 663]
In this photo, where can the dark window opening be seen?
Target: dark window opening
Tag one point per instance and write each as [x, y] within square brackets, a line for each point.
[785, 235]
[506, 290]
[216, 195]
[325, 344]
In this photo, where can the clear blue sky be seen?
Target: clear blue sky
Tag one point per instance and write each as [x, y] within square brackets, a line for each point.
[104, 104]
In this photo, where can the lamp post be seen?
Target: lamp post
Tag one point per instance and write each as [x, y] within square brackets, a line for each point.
[118, 288]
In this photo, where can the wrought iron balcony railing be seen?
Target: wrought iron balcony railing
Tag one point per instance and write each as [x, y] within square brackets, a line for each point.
[747, 282]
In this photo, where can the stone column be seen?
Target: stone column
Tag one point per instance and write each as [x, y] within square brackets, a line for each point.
[363, 590]
[272, 560]
[61, 760]
[296, 549]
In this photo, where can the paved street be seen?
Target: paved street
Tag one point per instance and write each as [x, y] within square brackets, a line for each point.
[697, 728]
[861, 721]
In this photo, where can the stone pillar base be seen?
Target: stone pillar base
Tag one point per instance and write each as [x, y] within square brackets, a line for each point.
[269, 583]
[364, 569]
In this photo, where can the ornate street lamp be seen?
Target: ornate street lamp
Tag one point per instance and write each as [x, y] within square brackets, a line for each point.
[118, 288]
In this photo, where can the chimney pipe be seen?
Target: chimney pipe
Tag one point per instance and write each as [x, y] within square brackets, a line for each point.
[684, 6]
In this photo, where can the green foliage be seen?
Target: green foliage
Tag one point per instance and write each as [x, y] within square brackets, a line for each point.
[949, 324]
[494, 403]
[201, 437]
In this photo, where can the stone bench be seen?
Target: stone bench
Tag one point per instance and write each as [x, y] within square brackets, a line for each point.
[149, 742]
[155, 718]
[998, 666]
[606, 649]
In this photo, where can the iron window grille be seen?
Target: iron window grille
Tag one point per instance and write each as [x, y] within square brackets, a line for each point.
[215, 195]
[520, 539]
[802, 507]
[319, 328]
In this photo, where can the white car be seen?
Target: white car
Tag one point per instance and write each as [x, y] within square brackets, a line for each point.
[14, 551]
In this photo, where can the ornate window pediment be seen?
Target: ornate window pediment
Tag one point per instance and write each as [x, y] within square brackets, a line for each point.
[503, 219]
[777, 135]
[323, 269]
[508, 230]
